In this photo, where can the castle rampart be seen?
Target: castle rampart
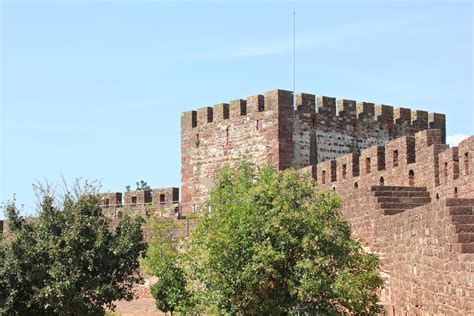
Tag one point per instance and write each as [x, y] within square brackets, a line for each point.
[416, 160]
[161, 201]
[408, 196]
[268, 129]
[412, 203]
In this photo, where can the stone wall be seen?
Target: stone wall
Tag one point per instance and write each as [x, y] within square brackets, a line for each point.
[257, 129]
[411, 202]
[268, 129]
[417, 160]
[160, 202]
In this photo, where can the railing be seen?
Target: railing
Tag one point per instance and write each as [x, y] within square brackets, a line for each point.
[176, 206]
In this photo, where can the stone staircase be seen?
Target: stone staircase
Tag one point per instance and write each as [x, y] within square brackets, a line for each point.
[392, 200]
[462, 217]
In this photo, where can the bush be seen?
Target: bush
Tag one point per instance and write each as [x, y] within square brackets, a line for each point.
[67, 261]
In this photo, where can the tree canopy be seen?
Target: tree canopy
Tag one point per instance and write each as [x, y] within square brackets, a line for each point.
[160, 260]
[272, 244]
[67, 261]
[141, 186]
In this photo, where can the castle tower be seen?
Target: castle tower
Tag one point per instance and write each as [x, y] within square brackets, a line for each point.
[268, 129]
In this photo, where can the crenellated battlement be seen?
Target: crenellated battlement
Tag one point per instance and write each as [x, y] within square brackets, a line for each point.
[235, 109]
[275, 128]
[141, 201]
[414, 160]
[411, 202]
[317, 107]
[140, 197]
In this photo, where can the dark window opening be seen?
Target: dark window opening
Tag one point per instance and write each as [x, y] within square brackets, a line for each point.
[324, 177]
[381, 181]
[456, 192]
[445, 172]
[313, 148]
[257, 125]
[367, 165]
[106, 202]
[411, 178]
[134, 200]
[344, 171]
[197, 140]
[466, 163]
[395, 158]
[162, 198]
[356, 185]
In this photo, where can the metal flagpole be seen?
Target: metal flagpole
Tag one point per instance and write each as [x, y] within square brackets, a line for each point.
[294, 58]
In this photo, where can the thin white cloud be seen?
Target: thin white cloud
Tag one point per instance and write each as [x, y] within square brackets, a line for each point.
[322, 38]
[453, 140]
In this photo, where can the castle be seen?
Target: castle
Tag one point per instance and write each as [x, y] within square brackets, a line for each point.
[267, 129]
[408, 196]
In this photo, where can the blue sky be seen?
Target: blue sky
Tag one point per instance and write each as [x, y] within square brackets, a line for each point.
[95, 89]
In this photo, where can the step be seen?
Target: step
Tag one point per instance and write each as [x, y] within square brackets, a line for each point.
[399, 205]
[459, 202]
[464, 247]
[396, 188]
[465, 238]
[463, 228]
[405, 199]
[402, 193]
[392, 211]
[459, 210]
[462, 219]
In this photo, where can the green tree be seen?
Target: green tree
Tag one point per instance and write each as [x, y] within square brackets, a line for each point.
[67, 261]
[161, 257]
[275, 245]
[142, 185]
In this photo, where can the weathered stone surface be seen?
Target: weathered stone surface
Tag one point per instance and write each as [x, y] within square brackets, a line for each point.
[417, 213]
[268, 129]
[409, 198]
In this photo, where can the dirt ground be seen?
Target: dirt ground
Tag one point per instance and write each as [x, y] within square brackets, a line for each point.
[140, 306]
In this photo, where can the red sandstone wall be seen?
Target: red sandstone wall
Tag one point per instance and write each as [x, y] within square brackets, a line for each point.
[442, 170]
[428, 264]
[160, 201]
[257, 129]
[356, 126]
[427, 251]
[266, 128]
